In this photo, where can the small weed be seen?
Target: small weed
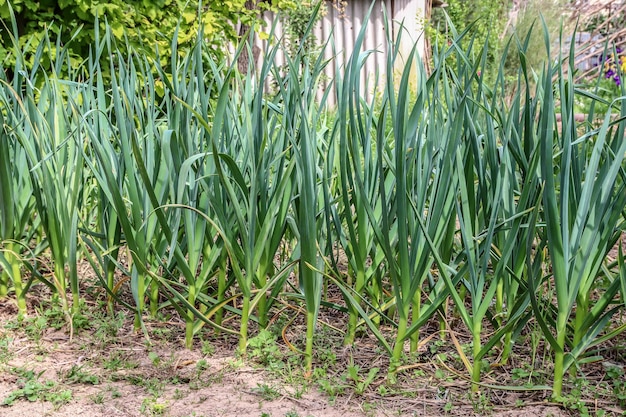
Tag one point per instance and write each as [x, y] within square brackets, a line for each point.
[179, 395]
[76, 375]
[419, 373]
[207, 348]
[436, 346]
[80, 321]
[113, 362]
[266, 392]
[154, 358]
[525, 373]
[368, 407]
[52, 314]
[108, 326]
[162, 333]
[25, 373]
[319, 373]
[442, 393]
[574, 403]
[440, 374]
[263, 349]
[116, 361]
[331, 388]
[115, 393]
[12, 324]
[153, 386]
[151, 407]
[618, 381]
[33, 390]
[574, 399]
[201, 366]
[290, 369]
[5, 353]
[361, 384]
[34, 327]
[327, 357]
[299, 391]
[480, 403]
[97, 398]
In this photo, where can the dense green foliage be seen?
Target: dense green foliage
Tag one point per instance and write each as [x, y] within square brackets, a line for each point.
[146, 25]
[205, 196]
[295, 17]
[487, 19]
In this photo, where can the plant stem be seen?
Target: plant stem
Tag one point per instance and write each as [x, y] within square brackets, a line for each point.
[499, 301]
[582, 309]
[476, 346]
[110, 274]
[263, 302]
[154, 298]
[415, 315]
[189, 321]
[310, 332]
[14, 260]
[243, 329]
[559, 355]
[354, 315]
[507, 347]
[221, 290]
[4, 284]
[398, 347]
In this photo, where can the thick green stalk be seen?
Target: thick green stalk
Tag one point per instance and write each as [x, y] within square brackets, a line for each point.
[138, 281]
[221, 288]
[311, 319]
[262, 305]
[476, 348]
[444, 309]
[110, 279]
[398, 347]
[353, 317]
[60, 278]
[4, 283]
[499, 305]
[582, 311]
[377, 296]
[112, 239]
[243, 328]
[14, 260]
[416, 306]
[154, 298]
[559, 355]
[189, 322]
[507, 347]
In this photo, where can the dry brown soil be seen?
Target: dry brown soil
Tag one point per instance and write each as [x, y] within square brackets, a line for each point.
[162, 378]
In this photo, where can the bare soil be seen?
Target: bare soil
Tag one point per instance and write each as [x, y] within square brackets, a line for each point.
[124, 374]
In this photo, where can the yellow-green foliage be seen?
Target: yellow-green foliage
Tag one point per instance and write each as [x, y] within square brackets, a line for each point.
[487, 18]
[147, 23]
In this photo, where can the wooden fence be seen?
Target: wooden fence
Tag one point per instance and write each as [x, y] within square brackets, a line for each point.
[341, 26]
[606, 20]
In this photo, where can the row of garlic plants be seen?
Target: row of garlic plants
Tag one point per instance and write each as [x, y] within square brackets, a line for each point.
[202, 189]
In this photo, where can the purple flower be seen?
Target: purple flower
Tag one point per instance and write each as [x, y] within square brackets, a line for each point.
[611, 69]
